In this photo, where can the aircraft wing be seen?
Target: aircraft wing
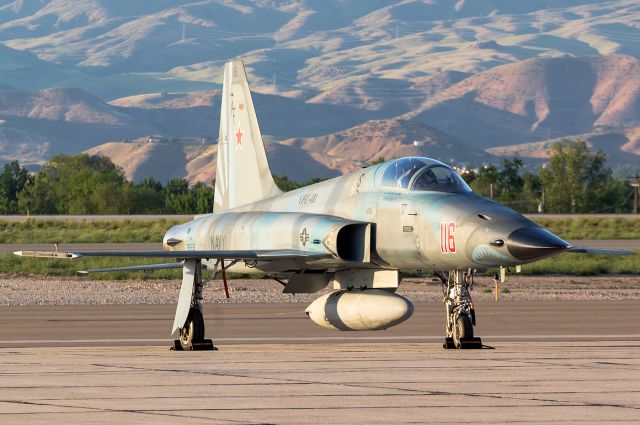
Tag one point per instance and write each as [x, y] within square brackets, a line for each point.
[260, 255]
[164, 266]
[598, 251]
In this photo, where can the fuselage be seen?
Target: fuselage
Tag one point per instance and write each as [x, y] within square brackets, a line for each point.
[422, 215]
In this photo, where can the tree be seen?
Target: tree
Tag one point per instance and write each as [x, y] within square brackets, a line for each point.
[285, 184]
[146, 197]
[176, 197]
[485, 181]
[12, 181]
[37, 197]
[84, 184]
[151, 183]
[531, 194]
[77, 184]
[182, 199]
[510, 182]
[577, 181]
[203, 198]
[574, 181]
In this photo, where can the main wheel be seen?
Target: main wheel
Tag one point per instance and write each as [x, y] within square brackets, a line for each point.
[193, 329]
[463, 329]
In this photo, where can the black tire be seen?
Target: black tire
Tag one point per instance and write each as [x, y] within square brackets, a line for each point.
[193, 330]
[464, 329]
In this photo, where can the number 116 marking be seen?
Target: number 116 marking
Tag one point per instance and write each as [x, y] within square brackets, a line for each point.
[447, 237]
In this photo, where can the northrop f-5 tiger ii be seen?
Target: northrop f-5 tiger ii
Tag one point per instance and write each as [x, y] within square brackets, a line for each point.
[355, 233]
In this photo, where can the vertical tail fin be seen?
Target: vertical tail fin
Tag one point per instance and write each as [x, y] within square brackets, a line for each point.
[242, 174]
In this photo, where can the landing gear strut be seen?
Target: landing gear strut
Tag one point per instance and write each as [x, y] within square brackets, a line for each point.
[192, 333]
[461, 317]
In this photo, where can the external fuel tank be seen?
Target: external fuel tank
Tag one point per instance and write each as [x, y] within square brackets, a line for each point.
[368, 310]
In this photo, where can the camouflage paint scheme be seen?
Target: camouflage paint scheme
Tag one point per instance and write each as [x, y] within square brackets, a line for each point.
[441, 226]
[406, 225]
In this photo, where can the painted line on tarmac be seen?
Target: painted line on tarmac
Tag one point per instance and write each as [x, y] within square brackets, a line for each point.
[312, 339]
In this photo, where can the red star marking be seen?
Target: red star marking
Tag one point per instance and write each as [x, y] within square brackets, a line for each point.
[239, 137]
[241, 106]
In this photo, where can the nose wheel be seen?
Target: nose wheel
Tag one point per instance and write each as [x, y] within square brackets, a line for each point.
[459, 310]
[463, 330]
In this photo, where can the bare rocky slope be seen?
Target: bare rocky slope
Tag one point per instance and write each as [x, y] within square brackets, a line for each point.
[116, 48]
[621, 146]
[538, 99]
[165, 161]
[511, 109]
[389, 139]
[467, 77]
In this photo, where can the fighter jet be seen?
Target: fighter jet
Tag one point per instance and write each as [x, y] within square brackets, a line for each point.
[355, 233]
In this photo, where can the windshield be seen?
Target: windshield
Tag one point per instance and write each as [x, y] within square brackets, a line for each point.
[439, 178]
[400, 172]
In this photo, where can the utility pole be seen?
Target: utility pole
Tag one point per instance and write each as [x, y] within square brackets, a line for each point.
[635, 184]
[541, 204]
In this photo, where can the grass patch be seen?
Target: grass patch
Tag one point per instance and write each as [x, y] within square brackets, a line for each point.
[592, 227]
[585, 265]
[505, 290]
[25, 266]
[84, 231]
[569, 264]
[14, 265]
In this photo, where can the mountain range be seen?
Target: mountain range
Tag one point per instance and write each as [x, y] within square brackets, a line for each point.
[336, 83]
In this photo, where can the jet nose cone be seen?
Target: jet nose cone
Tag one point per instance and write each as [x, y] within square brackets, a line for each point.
[531, 243]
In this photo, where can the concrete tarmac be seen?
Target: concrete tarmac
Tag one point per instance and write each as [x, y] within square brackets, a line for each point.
[364, 383]
[287, 323]
[571, 362]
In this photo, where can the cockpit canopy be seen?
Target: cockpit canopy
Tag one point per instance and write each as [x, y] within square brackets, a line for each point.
[423, 175]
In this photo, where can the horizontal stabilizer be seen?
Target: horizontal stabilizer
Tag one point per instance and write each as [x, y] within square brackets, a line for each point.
[599, 251]
[164, 266]
[262, 255]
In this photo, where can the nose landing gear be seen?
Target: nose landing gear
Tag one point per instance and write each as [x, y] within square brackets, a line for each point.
[461, 318]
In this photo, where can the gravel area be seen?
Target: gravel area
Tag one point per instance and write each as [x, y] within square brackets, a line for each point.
[37, 290]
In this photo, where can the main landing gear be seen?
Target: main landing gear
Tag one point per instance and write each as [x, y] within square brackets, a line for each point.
[461, 317]
[192, 332]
